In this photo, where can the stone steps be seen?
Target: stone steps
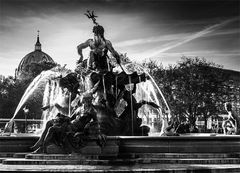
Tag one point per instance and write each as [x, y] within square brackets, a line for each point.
[180, 155]
[144, 168]
[5, 155]
[128, 156]
[123, 159]
[59, 156]
[121, 156]
[17, 161]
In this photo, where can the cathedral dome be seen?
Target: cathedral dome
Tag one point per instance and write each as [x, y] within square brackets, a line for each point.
[37, 56]
[34, 57]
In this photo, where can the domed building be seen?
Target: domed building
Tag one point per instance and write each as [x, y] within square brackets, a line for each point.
[36, 57]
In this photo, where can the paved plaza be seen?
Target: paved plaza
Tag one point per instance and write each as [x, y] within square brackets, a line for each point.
[176, 168]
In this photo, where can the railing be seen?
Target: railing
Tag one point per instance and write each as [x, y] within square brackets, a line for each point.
[22, 125]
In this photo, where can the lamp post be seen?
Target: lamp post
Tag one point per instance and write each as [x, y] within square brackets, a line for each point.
[26, 112]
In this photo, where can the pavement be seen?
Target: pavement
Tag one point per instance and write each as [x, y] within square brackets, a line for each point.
[171, 168]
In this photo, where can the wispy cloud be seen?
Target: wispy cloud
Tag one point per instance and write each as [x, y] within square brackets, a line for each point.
[189, 38]
[170, 37]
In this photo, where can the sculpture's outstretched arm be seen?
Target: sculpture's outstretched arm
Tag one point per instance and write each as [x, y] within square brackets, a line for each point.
[80, 47]
[113, 51]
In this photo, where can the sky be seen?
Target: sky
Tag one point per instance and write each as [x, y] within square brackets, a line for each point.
[144, 29]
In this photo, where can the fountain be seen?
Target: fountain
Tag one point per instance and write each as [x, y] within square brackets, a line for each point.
[44, 86]
[52, 83]
[137, 146]
[128, 115]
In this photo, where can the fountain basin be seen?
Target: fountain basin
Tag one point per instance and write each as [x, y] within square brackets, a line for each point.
[17, 142]
[148, 144]
[180, 144]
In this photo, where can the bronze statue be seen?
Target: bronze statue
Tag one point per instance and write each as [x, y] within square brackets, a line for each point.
[94, 115]
[98, 58]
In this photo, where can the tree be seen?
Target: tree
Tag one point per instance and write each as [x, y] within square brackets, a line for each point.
[199, 86]
[193, 87]
[7, 100]
[12, 90]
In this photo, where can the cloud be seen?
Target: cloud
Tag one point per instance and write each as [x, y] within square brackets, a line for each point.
[170, 37]
[135, 42]
[189, 38]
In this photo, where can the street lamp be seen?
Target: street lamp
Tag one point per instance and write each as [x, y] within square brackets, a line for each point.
[26, 112]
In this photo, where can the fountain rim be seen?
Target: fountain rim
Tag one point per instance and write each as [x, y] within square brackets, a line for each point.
[188, 136]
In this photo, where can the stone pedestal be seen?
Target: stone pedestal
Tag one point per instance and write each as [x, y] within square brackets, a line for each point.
[110, 149]
[91, 148]
[54, 149]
